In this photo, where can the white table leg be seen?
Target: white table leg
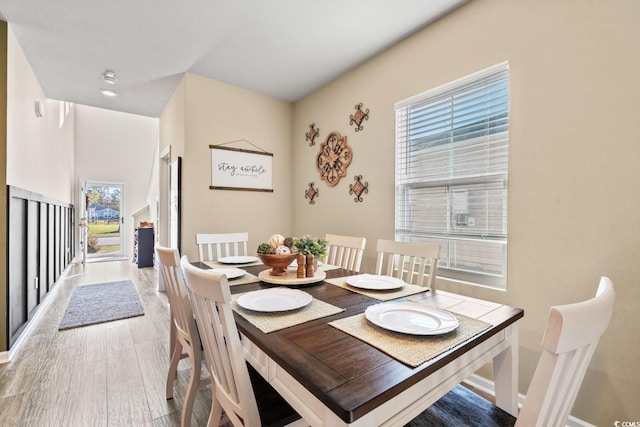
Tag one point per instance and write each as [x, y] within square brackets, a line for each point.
[505, 373]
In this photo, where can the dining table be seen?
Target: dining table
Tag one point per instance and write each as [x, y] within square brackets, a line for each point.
[330, 368]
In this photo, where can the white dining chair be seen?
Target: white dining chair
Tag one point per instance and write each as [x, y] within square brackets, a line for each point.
[570, 338]
[214, 246]
[184, 340]
[411, 262]
[244, 396]
[345, 251]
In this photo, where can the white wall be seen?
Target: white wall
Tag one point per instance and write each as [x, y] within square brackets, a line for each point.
[40, 156]
[116, 147]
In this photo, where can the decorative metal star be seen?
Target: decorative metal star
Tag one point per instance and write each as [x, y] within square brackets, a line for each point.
[358, 117]
[358, 188]
[311, 135]
[311, 193]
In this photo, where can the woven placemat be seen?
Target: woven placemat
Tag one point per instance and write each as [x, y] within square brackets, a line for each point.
[411, 350]
[270, 322]
[404, 291]
[242, 280]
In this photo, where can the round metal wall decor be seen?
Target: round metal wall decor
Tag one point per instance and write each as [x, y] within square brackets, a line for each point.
[334, 158]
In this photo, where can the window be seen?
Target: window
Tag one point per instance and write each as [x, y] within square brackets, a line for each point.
[451, 174]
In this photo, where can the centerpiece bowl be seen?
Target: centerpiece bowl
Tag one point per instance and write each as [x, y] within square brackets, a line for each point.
[278, 263]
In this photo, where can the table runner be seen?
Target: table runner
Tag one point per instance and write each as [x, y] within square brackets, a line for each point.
[270, 322]
[411, 350]
[406, 290]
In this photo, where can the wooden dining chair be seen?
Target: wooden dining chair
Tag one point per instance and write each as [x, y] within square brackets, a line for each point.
[409, 261]
[570, 338]
[345, 251]
[214, 246]
[184, 340]
[238, 390]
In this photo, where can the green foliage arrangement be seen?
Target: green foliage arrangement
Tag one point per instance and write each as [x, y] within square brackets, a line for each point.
[265, 248]
[319, 248]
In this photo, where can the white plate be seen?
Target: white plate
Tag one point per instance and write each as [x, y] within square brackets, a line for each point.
[375, 282]
[274, 299]
[239, 259]
[411, 318]
[230, 272]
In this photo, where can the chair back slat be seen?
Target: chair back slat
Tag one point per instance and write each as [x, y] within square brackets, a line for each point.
[345, 251]
[211, 300]
[411, 262]
[177, 294]
[571, 337]
[214, 246]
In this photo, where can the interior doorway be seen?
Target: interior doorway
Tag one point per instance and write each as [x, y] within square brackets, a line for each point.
[102, 220]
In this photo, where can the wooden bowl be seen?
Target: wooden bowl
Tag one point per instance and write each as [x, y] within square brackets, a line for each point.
[278, 263]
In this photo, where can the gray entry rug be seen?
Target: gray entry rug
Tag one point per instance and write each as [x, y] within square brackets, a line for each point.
[102, 302]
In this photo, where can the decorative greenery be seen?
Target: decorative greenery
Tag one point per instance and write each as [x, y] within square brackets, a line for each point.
[265, 248]
[312, 245]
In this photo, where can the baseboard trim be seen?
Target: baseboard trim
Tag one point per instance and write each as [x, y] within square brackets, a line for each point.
[8, 356]
[487, 386]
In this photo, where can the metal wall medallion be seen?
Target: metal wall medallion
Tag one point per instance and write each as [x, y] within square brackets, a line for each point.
[358, 188]
[358, 117]
[334, 158]
[311, 193]
[311, 135]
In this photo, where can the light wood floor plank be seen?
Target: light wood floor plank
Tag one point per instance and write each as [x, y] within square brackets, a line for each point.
[153, 360]
[87, 398]
[127, 405]
[111, 374]
[11, 408]
[122, 362]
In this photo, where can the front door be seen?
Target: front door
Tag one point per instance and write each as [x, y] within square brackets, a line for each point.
[103, 219]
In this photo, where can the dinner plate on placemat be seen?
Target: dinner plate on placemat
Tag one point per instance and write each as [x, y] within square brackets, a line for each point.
[375, 282]
[230, 272]
[238, 259]
[274, 300]
[411, 318]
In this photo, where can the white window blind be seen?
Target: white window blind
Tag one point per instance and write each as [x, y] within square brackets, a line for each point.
[451, 174]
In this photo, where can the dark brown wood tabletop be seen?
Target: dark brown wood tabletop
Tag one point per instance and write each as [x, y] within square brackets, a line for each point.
[348, 375]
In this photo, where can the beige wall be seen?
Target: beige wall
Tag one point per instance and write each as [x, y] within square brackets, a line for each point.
[115, 147]
[205, 112]
[172, 123]
[573, 171]
[39, 151]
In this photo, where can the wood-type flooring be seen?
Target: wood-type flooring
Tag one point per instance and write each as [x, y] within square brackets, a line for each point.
[107, 375]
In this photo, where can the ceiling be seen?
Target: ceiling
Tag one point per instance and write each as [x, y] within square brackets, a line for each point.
[283, 48]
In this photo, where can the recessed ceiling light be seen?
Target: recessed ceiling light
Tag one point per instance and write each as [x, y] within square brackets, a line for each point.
[108, 92]
[110, 77]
